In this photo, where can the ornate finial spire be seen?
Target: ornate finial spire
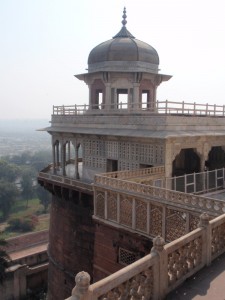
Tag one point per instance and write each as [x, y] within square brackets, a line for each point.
[124, 22]
[124, 33]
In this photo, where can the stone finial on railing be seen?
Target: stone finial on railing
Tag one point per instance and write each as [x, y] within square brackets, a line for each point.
[204, 220]
[82, 281]
[158, 244]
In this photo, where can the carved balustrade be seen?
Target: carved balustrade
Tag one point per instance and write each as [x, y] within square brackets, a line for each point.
[148, 217]
[165, 268]
[137, 190]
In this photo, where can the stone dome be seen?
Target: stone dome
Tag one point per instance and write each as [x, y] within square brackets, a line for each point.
[123, 53]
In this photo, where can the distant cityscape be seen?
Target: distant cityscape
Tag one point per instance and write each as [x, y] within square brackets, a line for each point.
[18, 136]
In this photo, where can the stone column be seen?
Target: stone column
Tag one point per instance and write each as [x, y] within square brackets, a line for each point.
[53, 158]
[107, 96]
[69, 150]
[76, 163]
[57, 154]
[90, 96]
[63, 156]
[136, 96]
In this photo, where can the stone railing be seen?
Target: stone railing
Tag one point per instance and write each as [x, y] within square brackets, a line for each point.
[160, 170]
[212, 206]
[163, 270]
[66, 180]
[162, 107]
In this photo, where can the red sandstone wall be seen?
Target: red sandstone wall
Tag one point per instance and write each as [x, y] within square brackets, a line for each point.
[108, 240]
[71, 242]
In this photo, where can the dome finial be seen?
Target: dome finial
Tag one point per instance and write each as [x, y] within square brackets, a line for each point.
[124, 33]
[124, 22]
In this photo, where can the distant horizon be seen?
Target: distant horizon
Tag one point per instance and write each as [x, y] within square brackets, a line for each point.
[25, 125]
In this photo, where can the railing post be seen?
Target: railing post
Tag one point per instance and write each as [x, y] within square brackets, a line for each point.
[82, 283]
[133, 214]
[106, 205]
[207, 238]
[161, 281]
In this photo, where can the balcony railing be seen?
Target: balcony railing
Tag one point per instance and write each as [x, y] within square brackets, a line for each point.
[163, 270]
[162, 107]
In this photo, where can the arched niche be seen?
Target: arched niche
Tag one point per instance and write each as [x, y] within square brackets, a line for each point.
[186, 162]
[216, 158]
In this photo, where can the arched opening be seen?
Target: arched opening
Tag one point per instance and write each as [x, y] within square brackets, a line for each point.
[186, 162]
[122, 98]
[145, 99]
[97, 100]
[216, 158]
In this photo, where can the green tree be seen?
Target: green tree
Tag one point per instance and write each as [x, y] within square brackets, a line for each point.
[4, 260]
[8, 171]
[27, 189]
[44, 197]
[8, 194]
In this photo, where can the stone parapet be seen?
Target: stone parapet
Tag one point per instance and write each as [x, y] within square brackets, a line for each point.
[164, 269]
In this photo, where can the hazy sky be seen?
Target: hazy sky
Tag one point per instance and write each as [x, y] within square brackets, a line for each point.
[43, 43]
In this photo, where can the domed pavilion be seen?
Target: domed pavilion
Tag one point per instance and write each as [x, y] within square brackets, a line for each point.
[123, 73]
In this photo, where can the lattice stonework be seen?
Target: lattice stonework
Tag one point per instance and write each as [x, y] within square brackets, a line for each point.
[126, 257]
[193, 222]
[112, 150]
[100, 204]
[155, 220]
[112, 206]
[184, 260]
[137, 287]
[94, 154]
[218, 240]
[175, 224]
[141, 215]
[126, 210]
